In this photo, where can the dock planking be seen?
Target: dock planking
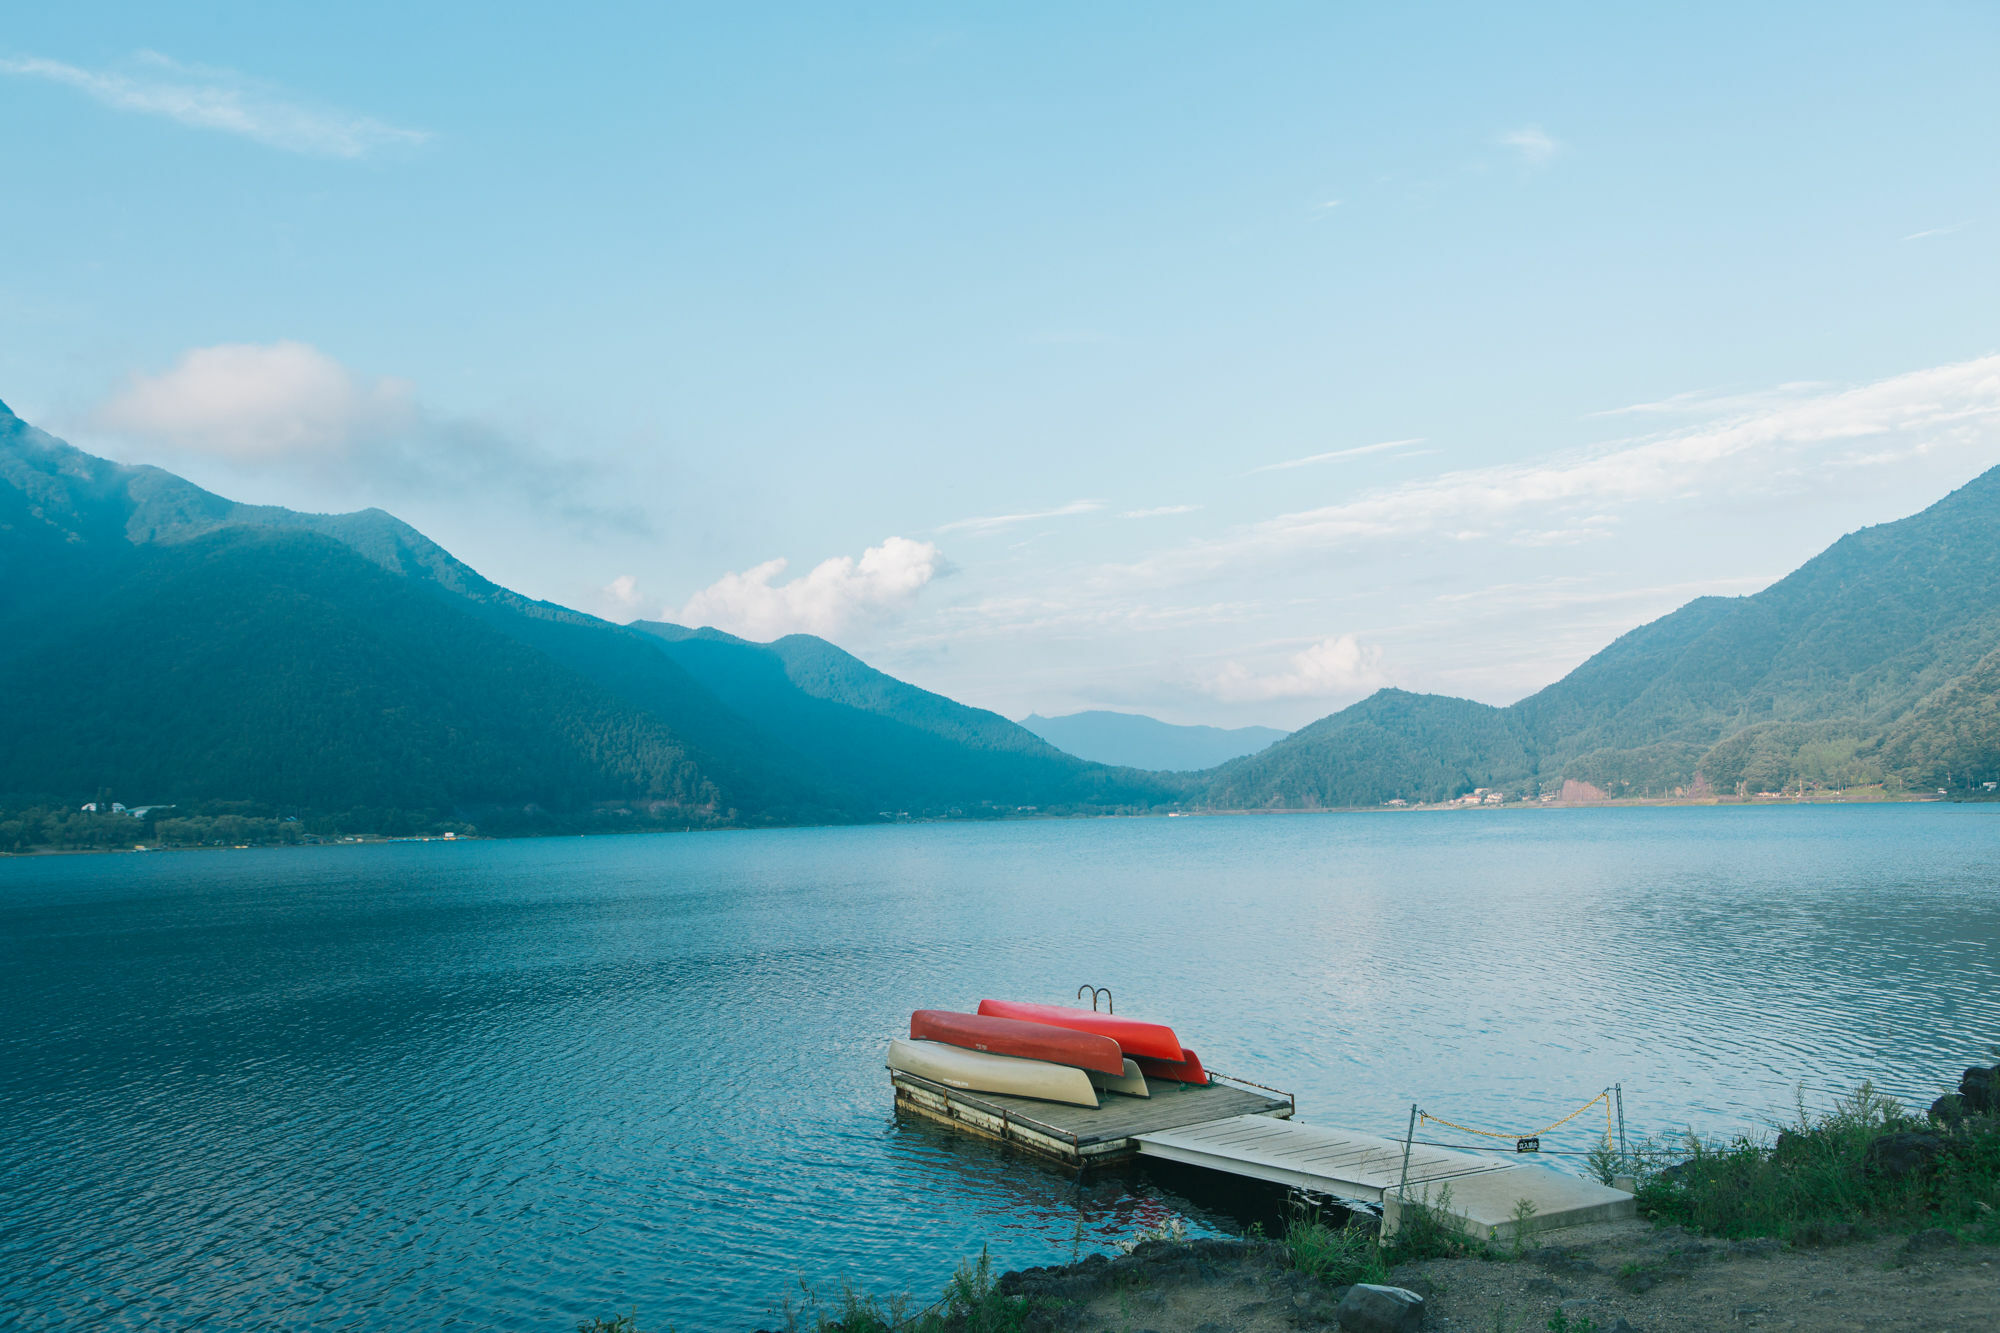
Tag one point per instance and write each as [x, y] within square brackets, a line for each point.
[1482, 1192]
[1079, 1136]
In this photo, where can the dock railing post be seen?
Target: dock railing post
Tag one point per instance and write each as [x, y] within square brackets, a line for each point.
[1409, 1137]
[1619, 1090]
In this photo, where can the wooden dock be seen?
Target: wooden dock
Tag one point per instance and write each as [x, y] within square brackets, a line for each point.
[1077, 1136]
[1251, 1134]
[1485, 1192]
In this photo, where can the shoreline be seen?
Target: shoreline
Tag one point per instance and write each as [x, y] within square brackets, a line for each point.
[1441, 807]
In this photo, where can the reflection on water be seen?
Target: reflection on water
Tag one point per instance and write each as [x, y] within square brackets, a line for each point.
[513, 1084]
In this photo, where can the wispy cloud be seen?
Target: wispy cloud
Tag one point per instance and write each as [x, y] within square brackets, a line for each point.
[836, 595]
[288, 408]
[1935, 231]
[222, 100]
[1161, 512]
[1531, 143]
[998, 522]
[1356, 452]
[1747, 452]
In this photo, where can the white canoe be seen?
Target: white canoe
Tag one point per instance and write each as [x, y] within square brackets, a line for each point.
[976, 1071]
[1132, 1083]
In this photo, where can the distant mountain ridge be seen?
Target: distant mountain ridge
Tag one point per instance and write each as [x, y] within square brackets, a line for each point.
[1877, 659]
[156, 638]
[163, 643]
[1133, 740]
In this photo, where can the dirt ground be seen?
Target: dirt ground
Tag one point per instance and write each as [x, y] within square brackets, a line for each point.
[1654, 1280]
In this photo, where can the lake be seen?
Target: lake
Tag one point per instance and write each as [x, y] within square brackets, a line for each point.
[513, 1084]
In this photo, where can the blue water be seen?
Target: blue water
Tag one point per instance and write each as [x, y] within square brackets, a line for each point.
[512, 1084]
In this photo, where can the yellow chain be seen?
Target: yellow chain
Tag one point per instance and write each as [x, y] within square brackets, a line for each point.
[1604, 1097]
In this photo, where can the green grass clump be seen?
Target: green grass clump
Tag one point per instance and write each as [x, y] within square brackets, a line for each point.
[1819, 1182]
[1337, 1256]
[971, 1304]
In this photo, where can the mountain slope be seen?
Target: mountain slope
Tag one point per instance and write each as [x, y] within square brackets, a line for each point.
[1134, 740]
[1874, 659]
[166, 643]
[904, 749]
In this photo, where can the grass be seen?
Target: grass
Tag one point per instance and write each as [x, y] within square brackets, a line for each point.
[1822, 1180]
[970, 1304]
[1354, 1252]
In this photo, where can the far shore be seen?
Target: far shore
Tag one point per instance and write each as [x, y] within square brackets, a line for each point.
[1851, 796]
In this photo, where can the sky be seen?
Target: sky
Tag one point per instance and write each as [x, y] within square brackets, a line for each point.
[1223, 363]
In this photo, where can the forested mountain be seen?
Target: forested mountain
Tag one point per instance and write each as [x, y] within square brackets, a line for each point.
[162, 643]
[1137, 741]
[1877, 659]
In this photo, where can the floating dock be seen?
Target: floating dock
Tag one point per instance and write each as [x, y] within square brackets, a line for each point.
[1248, 1133]
[1077, 1136]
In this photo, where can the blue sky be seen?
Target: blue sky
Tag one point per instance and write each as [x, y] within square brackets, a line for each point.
[1012, 329]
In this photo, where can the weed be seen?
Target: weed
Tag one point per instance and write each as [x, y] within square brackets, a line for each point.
[617, 1323]
[1835, 1176]
[1338, 1258]
[1429, 1229]
[1559, 1322]
[971, 1304]
[1524, 1226]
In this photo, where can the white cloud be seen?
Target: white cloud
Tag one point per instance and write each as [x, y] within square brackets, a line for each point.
[1531, 143]
[1355, 452]
[838, 593]
[622, 593]
[1341, 665]
[248, 402]
[288, 408]
[996, 522]
[213, 99]
[1777, 443]
[1935, 231]
[1162, 511]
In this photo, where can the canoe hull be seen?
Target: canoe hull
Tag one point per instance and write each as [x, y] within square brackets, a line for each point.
[1013, 1036]
[1187, 1070]
[1133, 1037]
[976, 1071]
[1130, 1082]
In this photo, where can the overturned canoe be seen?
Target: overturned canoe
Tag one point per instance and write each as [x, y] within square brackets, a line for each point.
[1131, 1082]
[976, 1071]
[1012, 1036]
[1187, 1069]
[1132, 1036]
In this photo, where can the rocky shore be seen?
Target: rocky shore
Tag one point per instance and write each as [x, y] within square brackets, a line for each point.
[1619, 1277]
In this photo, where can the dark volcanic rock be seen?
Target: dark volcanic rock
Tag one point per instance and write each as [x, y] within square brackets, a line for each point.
[1930, 1240]
[1371, 1309]
[1980, 1090]
[1907, 1153]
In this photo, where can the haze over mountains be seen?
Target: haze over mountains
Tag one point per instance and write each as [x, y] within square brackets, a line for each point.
[1134, 740]
[162, 643]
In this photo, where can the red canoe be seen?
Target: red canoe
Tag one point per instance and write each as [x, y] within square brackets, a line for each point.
[1187, 1069]
[1134, 1037]
[1011, 1036]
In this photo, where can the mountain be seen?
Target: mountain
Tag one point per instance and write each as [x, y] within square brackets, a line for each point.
[899, 748]
[1133, 740]
[162, 643]
[1878, 659]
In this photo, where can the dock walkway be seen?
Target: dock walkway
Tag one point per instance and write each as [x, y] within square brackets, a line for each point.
[1484, 1191]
